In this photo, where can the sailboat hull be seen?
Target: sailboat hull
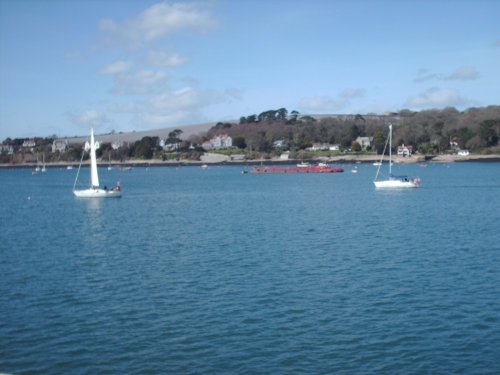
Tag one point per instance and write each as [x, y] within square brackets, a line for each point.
[395, 184]
[97, 193]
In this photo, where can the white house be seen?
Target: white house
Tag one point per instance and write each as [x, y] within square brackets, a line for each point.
[364, 142]
[319, 147]
[405, 150]
[29, 143]
[116, 145]
[285, 155]
[59, 145]
[334, 148]
[463, 153]
[8, 149]
[219, 141]
[280, 143]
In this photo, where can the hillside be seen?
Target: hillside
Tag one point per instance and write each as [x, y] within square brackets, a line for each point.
[187, 131]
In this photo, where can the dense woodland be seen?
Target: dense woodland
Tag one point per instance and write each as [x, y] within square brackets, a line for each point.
[430, 132]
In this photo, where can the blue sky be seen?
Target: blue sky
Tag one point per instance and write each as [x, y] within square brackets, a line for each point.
[129, 65]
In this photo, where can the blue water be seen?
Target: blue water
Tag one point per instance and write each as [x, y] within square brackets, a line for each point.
[217, 272]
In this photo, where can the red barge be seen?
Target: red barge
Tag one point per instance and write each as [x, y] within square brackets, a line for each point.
[295, 170]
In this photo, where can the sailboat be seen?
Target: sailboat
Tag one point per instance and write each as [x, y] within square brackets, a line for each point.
[394, 182]
[43, 163]
[94, 191]
[37, 168]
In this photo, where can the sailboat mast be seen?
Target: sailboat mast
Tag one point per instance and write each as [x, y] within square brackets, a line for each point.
[94, 178]
[390, 150]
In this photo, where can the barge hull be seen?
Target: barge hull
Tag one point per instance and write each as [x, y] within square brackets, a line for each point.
[284, 170]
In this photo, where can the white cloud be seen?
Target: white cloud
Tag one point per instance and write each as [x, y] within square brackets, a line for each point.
[170, 108]
[424, 75]
[87, 118]
[464, 73]
[142, 82]
[158, 21]
[436, 98]
[125, 107]
[107, 25]
[158, 58]
[235, 93]
[328, 104]
[186, 98]
[116, 67]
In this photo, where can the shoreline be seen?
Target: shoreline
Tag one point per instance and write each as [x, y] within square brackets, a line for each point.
[344, 159]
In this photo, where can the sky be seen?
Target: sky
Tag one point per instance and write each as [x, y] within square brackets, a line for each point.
[133, 65]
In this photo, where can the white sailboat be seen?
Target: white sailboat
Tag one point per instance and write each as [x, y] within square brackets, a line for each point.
[94, 191]
[43, 163]
[394, 182]
[37, 168]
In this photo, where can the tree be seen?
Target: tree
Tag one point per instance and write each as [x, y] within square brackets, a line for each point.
[293, 117]
[355, 146]
[354, 132]
[282, 113]
[146, 147]
[173, 136]
[239, 142]
[487, 132]
[378, 141]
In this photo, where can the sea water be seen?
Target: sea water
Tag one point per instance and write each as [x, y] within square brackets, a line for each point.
[211, 271]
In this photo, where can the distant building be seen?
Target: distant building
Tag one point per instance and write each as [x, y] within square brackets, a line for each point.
[285, 155]
[463, 152]
[237, 157]
[280, 143]
[364, 142]
[319, 147]
[171, 146]
[29, 144]
[219, 141]
[7, 149]
[405, 150]
[323, 147]
[59, 145]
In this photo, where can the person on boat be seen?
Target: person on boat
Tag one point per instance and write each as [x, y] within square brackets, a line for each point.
[117, 187]
[105, 188]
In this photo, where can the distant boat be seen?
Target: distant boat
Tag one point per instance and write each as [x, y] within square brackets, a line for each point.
[394, 182]
[377, 163]
[37, 168]
[69, 167]
[43, 164]
[94, 191]
[303, 165]
[204, 166]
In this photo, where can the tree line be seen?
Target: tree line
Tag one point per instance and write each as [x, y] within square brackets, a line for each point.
[429, 132]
